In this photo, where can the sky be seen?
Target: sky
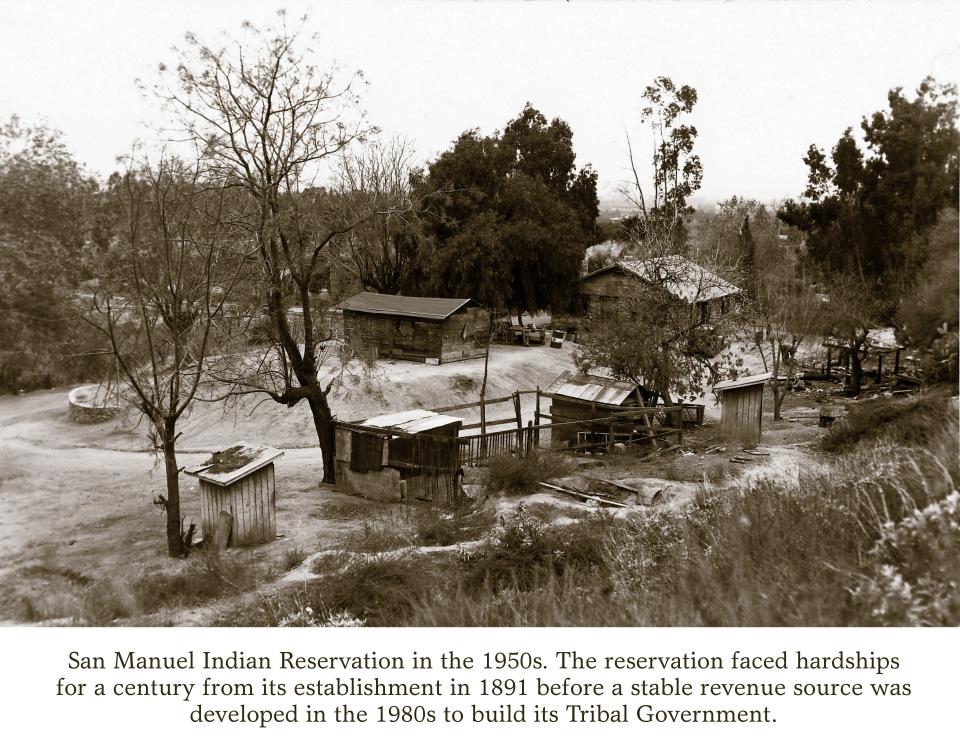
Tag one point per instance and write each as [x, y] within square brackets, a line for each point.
[772, 78]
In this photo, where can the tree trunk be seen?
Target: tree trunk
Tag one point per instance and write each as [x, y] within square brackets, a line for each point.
[856, 370]
[779, 392]
[326, 434]
[175, 548]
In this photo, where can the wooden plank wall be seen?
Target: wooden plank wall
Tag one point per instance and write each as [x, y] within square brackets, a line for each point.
[252, 503]
[741, 415]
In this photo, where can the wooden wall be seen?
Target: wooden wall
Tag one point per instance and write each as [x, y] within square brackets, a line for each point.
[562, 410]
[459, 336]
[252, 503]
[741, 415]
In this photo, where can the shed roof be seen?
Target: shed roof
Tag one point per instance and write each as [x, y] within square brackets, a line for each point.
[682, 277]
[747, 381]
[418, 307]
[588, 387]
[232, 464]
[412, 421]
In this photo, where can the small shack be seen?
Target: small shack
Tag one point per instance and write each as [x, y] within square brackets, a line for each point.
[408, 455]
[582, 397]
[741, 418]
[431, 330]
[240, 481]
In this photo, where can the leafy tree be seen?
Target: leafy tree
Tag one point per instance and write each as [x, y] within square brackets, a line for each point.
[268, 121]
[677, 171]
[654, 332]
[160, 296]
[862, 206]
[46, 201]
[509, 216]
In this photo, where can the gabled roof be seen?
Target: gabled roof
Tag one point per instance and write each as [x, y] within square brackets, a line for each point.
[412, 421]
[682, 277]
[747, 381]
[417, 307]
[588, 387]
[227, 466]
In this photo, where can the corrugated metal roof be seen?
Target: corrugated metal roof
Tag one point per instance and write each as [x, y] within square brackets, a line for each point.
[751, 379]
[234, 463]
[587, 387]
[407, 306]
[413, 421]
[680, 276]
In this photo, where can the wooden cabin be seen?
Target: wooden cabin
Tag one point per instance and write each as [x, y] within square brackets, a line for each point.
[408, 455]
[431, 330]
[240, 481]
[606, 291]
[741, 419]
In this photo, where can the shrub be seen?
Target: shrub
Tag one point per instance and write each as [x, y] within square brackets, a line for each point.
[518, 474]
[914, 420]
[526, 553]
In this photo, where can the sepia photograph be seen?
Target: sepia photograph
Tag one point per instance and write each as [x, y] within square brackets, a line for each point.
[468, 314]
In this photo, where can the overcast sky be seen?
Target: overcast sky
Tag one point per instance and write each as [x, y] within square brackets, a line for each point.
[772, 78]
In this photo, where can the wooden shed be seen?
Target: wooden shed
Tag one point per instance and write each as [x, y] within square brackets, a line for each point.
[407, 455]
[431, 330]
[741, 419]
[575, 397]
[240, 481]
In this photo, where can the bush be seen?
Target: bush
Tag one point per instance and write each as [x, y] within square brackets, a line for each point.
[527, 553]
[912, 421]
[518, 474]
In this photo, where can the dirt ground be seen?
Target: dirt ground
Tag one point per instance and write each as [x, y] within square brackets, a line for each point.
[76, 500]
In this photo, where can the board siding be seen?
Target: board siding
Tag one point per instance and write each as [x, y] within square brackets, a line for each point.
[742, 415]
[252, 503]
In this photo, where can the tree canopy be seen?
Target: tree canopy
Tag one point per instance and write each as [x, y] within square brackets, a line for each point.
[865, 201]
[509, 216]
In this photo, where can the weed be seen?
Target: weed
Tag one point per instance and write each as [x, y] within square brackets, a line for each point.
[292, 557]
[518, 474]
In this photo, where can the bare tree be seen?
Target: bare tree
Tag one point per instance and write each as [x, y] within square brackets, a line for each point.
[381, 254]
[270, 122]
[162, 289]
[854, 308]
[787, 312]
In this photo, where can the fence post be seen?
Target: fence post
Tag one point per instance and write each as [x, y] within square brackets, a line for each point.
[613, 423]
[536, 416]
[680, 427]
[530, 431]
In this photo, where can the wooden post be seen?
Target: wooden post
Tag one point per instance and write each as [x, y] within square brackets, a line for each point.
[896, 362]
[610, 439]
[879, 367]
[536, 419]
[829, 360]
[680, 427]
[530, 441]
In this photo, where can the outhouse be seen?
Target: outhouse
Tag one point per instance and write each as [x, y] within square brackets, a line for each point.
[742, 408]
[240, 481]
[407, 455]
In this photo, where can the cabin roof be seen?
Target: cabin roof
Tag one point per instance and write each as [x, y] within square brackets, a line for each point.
[680, 276]
[232, 464]
[588, 387]
[417, 307]
[747, 381]
[412, 421]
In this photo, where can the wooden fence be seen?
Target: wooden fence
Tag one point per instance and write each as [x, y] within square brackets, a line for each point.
[630, 427]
